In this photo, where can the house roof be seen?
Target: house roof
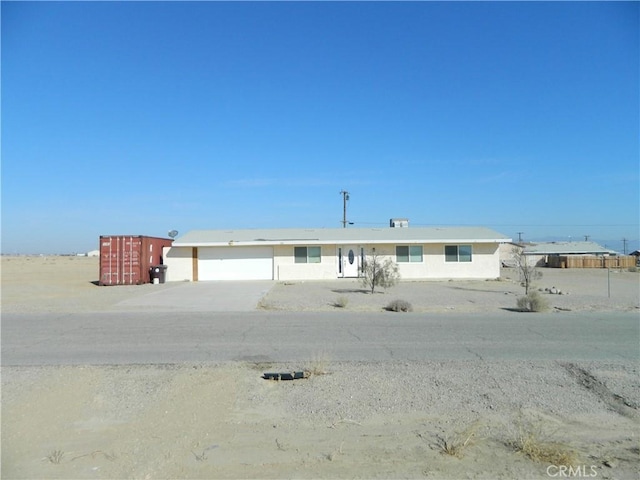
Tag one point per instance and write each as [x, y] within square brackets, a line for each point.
[321, 236]
[567, 248]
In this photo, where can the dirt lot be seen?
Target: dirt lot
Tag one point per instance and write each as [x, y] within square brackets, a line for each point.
[578, 290]
[444, 420]
[66, 284]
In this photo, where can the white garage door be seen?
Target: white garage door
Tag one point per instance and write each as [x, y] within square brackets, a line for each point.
[235, 263]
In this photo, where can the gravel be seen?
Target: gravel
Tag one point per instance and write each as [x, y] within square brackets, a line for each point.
[582, 290]
[357, 391]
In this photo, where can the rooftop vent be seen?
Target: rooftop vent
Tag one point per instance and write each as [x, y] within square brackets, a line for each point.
[399, 223]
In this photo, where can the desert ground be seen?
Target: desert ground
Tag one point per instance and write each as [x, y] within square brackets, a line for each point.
[437, 420]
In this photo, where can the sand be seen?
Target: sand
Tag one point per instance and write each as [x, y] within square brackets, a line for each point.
[438, 420]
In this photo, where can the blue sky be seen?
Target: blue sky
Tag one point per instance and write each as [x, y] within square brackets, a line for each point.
[142, 117]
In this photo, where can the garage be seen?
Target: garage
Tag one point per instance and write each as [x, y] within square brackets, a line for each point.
[239, 263]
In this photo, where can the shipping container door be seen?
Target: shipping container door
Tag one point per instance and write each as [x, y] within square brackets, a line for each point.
[131, 261]
[120, 260]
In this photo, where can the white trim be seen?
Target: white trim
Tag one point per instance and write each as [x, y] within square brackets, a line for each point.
[303, 241]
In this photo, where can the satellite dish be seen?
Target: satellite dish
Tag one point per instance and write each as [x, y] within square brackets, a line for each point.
[173, 233]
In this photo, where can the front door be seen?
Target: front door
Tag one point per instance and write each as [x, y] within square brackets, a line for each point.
[348, 262]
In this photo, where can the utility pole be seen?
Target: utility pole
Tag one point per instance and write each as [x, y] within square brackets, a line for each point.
[519, 236]
[345, 199]
[624, 245]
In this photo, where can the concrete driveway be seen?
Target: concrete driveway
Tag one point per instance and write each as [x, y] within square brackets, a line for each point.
[240, 296]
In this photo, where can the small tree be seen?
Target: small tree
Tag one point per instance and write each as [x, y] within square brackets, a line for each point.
[528, 273]
[376, 273]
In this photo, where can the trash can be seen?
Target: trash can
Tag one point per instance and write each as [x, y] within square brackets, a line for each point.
[158, 274]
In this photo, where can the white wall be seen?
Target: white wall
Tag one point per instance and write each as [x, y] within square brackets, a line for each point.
[285, 268]
[507, 251]
[485, 262]
[179, 263]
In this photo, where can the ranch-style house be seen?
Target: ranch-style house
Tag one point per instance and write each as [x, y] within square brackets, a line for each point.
[330, 253]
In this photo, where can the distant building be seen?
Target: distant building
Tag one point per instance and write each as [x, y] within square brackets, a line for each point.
[567, 254]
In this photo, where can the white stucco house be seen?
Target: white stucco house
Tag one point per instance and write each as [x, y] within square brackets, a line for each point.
[330, 253]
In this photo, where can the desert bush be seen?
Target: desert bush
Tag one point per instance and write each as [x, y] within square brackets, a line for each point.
[376, 273]
[533, 302]
[317, 365]
[531, 440]
[341, 302]
[400, 306]
[264, 304]
[632, 269]
[456, 444]
[55, 457]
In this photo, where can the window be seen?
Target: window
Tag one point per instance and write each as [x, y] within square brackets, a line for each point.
[457, 253]
[411, 253]
[306, 254]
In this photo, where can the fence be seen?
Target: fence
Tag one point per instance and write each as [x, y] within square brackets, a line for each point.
[591, 261]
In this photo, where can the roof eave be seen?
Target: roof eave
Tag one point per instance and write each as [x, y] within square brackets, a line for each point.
[302, 241]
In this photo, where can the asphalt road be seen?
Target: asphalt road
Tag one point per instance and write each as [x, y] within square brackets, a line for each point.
[156, 337]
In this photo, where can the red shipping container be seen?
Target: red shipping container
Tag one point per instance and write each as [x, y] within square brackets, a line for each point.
[127, 259]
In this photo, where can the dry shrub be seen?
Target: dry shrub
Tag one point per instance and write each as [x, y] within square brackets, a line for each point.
[264, 304]
[318, 364]
[532, 441]
[341, 302]
[399, 306]
[456, 445]
[533, 302]
[55, 457]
